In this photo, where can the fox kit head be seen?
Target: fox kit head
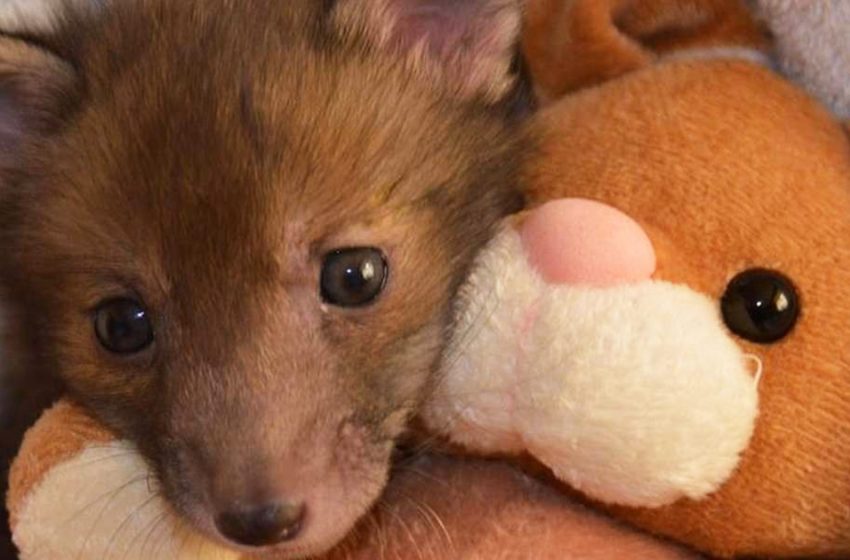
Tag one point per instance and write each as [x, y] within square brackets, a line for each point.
[234, 232]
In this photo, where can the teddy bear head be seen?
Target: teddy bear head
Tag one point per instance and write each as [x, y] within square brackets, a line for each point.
[677, 297]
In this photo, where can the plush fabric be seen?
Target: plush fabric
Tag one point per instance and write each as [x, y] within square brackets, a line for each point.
[727, 167]
[572, 44]
[78, 492]
[676, 118]
[583, 242]
[615, 388]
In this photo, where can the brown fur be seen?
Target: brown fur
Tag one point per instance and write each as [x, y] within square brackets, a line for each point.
[209, 157]
[435, 507]
[486, 510]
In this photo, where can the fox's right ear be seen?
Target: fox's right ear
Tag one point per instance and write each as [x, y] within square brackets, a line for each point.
[466, 45]
[573, 44]
[36, 88]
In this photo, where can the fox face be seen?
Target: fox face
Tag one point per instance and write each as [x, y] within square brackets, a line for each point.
[234, 234]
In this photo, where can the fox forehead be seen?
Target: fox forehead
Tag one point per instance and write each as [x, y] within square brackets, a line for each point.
[262, 161]
[215, 199]
[212, 168]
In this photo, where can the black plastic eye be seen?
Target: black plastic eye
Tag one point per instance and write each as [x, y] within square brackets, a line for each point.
[353, 277]
[123, 327]
[760, 305]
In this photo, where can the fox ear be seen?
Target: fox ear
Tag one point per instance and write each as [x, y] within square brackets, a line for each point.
[580, 43]
[41, 16]
[18, 16]
[468, 45]
[35, 87]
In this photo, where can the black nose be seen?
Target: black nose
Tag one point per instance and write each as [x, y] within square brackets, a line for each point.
[262, 526]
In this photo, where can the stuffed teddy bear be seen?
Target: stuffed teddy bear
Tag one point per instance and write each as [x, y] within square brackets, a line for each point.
[662, 328]
[670, 338]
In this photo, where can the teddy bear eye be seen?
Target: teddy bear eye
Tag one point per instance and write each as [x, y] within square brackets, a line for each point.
[760, 305]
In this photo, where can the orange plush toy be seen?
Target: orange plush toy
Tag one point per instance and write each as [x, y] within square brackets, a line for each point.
[671, 338]
[664, 328]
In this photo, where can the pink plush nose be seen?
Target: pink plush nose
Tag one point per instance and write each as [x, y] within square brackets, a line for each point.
[577, 241]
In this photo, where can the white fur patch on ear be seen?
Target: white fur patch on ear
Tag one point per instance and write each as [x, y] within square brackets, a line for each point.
[33, 84]
[468, 45]
[29, 15]
[38, 16]
[635, 395]
[103, 504]
[813, 45]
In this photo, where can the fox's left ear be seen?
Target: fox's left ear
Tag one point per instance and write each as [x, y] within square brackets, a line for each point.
[36, 87]
[468, 45]
[17, 16]
[41, 16]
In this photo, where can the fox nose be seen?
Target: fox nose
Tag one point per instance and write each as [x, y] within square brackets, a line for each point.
[265, 525]
[583, 242]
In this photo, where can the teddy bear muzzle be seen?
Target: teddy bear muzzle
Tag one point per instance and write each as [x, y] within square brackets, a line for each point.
[630, 389]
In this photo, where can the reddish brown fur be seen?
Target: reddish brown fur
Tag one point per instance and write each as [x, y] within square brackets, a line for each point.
[209, 185]
[435, 507]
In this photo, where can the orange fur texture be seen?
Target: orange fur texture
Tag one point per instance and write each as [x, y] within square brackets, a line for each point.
[63, 433]
[571, 44]
[727, 167]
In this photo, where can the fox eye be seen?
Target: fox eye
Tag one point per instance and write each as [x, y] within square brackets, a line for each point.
[353, 277]
[123, 327]
[760, 305]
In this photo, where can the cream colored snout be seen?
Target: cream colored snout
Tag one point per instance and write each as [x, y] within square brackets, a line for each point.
[634, 394]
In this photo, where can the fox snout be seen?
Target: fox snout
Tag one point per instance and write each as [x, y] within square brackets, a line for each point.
[281, 445]
[244, 488]
[270, 523]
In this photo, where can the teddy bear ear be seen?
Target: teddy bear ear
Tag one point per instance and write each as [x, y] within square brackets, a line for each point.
[573, 44]
[35, 88]
[468, 45]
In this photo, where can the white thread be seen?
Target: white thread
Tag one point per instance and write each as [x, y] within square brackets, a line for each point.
[759, 367]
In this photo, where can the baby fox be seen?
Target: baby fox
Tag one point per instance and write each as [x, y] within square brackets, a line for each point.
[233, 231]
